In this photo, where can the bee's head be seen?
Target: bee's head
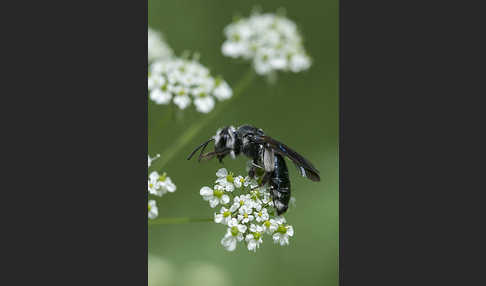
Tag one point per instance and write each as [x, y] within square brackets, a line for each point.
[225, 139]
[245, 133]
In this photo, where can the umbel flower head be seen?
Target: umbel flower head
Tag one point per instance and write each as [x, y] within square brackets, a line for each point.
[183, 81]
[272, 42]
[158, 49]
[246, 210]
[158, 185]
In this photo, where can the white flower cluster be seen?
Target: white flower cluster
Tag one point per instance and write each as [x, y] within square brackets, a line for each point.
[158, 185]
[157, 47]
[271, 41]
[247, 211]
[184, 81]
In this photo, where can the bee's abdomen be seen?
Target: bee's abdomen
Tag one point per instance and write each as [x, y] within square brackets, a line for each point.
[280, 185]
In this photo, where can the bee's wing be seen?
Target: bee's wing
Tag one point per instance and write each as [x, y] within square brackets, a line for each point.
[305, 167]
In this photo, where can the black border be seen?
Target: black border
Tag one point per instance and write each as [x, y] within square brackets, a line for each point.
[82, 218]
[405, 126]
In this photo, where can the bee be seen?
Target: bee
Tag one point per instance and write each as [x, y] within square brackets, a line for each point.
[266, 153]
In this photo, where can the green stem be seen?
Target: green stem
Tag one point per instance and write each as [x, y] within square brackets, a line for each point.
[192, 131]
[177, 220]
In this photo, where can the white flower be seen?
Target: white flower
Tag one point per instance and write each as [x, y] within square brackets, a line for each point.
[254, 239]
[156, 82]
[153, 211]
[238, 181]
[255, 196]
[167, 184]
[225, 180]
[233, 234]
[204, 104]
[150, 160]
[215, 197]
[245, 214]
[299, 63]
[282, 234]
[248, 216]
[159, 185]
[270, 226]
[267, 198]
[251, 183]
[279, 220]
[157, 47]
[183, 81]
[160, 97]
[222, 173]
[256, 228]
[262, 215]
[152, 187]
[182, 101]
[272, 42]
[224, 216]
[222, 90]
[234, 49]
[229, 241]
[240, 201]
[234, 207]
[234, 223]
[257, 204]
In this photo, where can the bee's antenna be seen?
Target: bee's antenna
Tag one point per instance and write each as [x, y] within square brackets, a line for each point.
[203, 145]
[202, 150]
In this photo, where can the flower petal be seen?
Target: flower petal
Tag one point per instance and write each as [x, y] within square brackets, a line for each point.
[225, 199]
[206, 191]
[213, 202]
[222, 173]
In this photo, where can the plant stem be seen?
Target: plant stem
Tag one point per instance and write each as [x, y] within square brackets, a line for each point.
[177, 220]
[192, 131]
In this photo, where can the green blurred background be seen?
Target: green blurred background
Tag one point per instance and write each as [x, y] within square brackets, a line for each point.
[300, 109]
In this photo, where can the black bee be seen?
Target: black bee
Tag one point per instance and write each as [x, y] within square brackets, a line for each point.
[266, 153]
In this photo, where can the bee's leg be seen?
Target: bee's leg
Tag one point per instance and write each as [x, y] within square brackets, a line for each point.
[202, 150]
[207, 156]
[265, 179]
[220, 159]
[253, 167]
[210, 155]
[251, 173]
[256, 166]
